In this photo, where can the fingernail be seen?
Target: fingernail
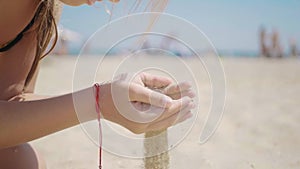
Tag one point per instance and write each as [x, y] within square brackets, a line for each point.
[167, 100]
[193, 105]
[192, 94]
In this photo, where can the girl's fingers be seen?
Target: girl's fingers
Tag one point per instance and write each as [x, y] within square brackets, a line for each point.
[149, 113]
[142, 94]
[113, 1]
[170, 121]
[176, 88]
[177, 106]
[185, 117]
[188, 93]
[139, 106]
[153, 81]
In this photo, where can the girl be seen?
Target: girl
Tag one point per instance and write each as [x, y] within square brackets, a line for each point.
[26, 28]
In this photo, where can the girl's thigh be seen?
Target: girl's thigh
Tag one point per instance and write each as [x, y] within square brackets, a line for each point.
[21, 157]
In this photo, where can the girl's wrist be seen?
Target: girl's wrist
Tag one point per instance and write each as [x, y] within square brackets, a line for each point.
[104, 93]
[84, 104]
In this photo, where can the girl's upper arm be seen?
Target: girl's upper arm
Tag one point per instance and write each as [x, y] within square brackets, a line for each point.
[14, 17]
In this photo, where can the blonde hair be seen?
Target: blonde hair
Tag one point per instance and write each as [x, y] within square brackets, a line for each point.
[45, 27]
[48, 14]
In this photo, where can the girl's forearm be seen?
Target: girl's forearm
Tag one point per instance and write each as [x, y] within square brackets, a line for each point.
[21, 122]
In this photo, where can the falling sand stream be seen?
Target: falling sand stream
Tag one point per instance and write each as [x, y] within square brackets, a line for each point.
[156, 142]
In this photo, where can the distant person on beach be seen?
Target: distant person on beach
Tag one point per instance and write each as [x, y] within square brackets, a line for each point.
[27, 27]
[293, 47]
[272, 49]
[276, 48]
[264, 50]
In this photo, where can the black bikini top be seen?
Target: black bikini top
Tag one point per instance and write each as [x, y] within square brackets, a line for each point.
[12, 43]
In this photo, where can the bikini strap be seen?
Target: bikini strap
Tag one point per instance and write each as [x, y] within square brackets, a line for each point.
[12, 43]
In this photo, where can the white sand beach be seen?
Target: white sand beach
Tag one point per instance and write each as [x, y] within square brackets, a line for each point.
[259, 128]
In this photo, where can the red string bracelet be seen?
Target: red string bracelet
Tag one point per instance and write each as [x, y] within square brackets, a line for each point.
[97, 104]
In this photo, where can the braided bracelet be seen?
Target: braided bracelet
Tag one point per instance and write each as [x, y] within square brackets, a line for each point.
[97, 105]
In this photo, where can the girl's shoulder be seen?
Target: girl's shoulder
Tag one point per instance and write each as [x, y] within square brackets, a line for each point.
[15, 15]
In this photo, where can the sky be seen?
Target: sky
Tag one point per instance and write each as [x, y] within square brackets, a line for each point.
[230, 24]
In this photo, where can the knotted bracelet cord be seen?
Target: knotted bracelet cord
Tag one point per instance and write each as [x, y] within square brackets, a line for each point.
[97, 104]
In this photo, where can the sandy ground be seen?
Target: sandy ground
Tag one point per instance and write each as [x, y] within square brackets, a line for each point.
[259, 129]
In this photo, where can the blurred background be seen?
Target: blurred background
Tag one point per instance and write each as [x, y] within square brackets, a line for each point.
[236, 28]
[259, 45]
